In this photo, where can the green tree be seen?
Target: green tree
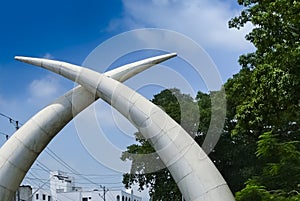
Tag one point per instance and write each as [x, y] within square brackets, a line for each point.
[225, 155]
[259, 144]
[269, 111]
[232, 155]
[160, 183]
[237, 151]
[183, 109]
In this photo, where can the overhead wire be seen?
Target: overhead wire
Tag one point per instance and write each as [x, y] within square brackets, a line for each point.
[17, 125]
[34, 180]
[62, 162]
[42, 186]
[58, 159]
[12, 121]
[43, 167]
[39, 188]
[6, 135]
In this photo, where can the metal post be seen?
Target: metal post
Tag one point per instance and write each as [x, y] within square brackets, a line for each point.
[105, 190]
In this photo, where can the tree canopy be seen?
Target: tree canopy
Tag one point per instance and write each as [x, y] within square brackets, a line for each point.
[269, 110]
[258, 152]
[160, 183]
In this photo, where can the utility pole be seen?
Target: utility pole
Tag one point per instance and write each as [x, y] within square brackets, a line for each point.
[105, 190]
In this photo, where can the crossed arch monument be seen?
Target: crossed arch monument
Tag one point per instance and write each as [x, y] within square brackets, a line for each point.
[192, 170]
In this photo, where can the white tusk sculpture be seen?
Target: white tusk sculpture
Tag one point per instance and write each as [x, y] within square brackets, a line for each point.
[194, 173]
[21, 150]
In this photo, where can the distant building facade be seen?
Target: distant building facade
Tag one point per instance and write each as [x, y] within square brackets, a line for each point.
[62, 188]
[98, 196]
[23, 193]
[41, 195]
[60, 182]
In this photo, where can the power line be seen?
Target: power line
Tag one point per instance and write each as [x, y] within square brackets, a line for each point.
[58, 159]
[40, 187]
[12, 121]
[62, 162]
[75, 172]
[98, 175]
[6, 135]
[42, 166]
[53, 155]
[16, 124]
[107, 183]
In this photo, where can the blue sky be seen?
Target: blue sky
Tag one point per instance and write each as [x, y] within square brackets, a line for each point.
[70, 30]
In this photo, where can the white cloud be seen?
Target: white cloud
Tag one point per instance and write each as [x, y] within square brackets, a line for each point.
[205, 21]
[44, 90]
[48, 56]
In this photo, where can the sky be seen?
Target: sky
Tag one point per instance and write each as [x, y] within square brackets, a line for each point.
[70, 31]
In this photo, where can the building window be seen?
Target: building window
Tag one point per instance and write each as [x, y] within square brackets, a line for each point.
[44, 197]
[118, 198]
[37, 196]
[49, 198]
[123, 198]
[84, 199]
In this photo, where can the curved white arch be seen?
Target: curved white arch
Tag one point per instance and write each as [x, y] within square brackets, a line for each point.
[194, 173]
[23, 147]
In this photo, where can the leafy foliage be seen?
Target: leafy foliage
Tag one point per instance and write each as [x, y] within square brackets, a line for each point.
[258, 153]
[224, 155]
[269, 111]
[183, 110]
[160, 183]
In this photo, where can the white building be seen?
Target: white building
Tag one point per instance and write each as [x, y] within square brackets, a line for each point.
[61, 182]
[98, 196]
[41, 195]
[124, 196]
[62, 188]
